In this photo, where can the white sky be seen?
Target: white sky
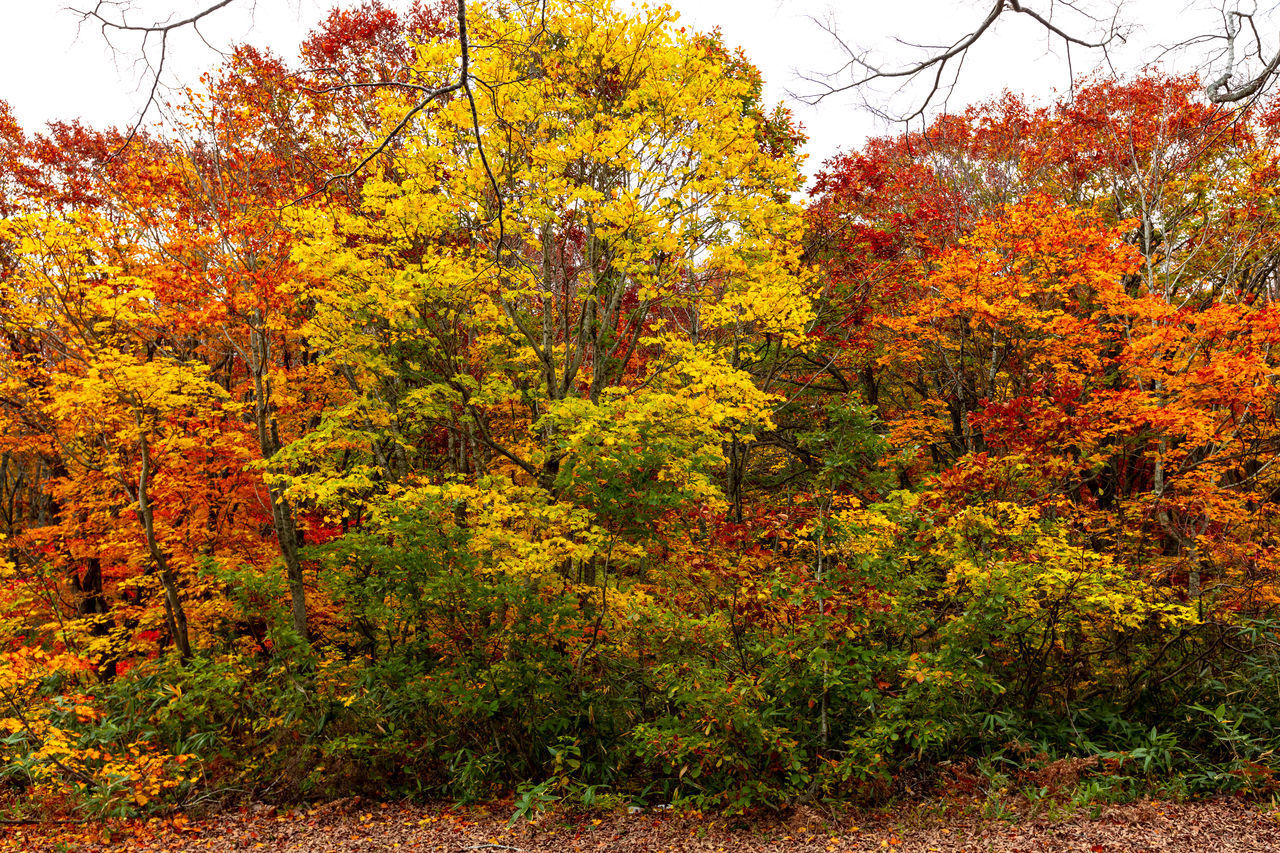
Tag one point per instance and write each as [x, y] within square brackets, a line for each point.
[50, 69]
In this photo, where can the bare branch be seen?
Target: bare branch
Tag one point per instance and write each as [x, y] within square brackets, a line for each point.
[940, 66]
[1220, 89]
[162, 28]
[101, 16]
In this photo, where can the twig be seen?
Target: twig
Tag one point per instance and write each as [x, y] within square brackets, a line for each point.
[163, 31]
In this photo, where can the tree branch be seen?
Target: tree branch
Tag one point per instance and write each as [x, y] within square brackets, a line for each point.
[859, 71]
[1219, 90]
[159, 29]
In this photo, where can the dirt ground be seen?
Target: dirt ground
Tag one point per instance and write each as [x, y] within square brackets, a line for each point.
[350, 826]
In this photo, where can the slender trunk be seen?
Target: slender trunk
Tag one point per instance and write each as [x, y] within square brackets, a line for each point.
[282, 514]
[735, 470]
[174, 614]
[824, 729]
[287, 537]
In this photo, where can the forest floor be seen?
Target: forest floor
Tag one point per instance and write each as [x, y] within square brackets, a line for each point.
[350, 826]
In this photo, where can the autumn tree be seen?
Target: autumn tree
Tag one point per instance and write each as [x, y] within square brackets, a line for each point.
[600, 250]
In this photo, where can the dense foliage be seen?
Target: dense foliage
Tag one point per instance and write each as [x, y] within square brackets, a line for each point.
[562, 451]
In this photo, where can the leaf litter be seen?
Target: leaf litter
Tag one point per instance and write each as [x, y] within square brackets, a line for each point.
[352, 826]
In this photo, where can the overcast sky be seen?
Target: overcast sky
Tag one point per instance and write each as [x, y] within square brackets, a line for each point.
[50, 68]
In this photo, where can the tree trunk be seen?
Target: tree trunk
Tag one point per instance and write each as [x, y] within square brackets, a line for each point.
[174, 614]
[282, 515]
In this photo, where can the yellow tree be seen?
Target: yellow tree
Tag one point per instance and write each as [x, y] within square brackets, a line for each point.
[593, 231]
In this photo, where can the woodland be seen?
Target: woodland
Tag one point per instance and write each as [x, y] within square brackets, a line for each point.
[539, 434]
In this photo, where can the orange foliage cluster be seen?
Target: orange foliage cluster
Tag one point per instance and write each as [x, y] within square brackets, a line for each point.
[1073, 307]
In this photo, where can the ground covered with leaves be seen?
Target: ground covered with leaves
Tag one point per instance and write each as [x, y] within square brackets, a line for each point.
[350, 826]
